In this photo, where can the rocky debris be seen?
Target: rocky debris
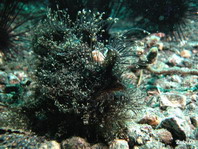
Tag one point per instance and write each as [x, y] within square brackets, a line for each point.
[173, 84]
[176, 78]
[2, 88]
[119, 144]
[80, 143]
[12, 120]
[148, 111]
[139, 134]
[21, 75]
[7, 98]
[12, 87]
[190, 80]
[195, 133]
[160, 45]
[188, 144]
[8, 83]
[191, 106]
[164, 136]
[178, 127]
[153, 100]
[20, 139]
[174, 112]
[164, 84]
[175, 60]
[153, 145]
[129, 75]
[75, 143]
[13, 135]
[150, 120]
[3, 77]
[161, 84]
[152, 40]
[99, 146]
[1, 58]
[194, 97]
[13, 79]
[160, 65]
[173, 125]
[194, 121]
[185, 53]
[172, 100]
[50, 145]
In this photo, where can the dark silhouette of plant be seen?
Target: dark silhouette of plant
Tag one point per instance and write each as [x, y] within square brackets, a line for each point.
[12, 28]
[79, 88]
[167, 16]
[110, 9]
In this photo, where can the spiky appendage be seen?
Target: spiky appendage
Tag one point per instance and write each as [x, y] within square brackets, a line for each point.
[72, 6]
[12, 29]
[167, 16]
[76, 94]
[110, 9]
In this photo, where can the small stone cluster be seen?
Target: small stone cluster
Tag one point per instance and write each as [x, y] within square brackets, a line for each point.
[11, 86]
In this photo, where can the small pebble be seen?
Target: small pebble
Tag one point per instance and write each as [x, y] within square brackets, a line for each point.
[152, 40]
[175, 59]
[177, 126]
[172, 100]
[3, 77]
[20, 74]
[98, 56]
[119, 144]
[50, 145]
[160, 46]
[194, 121]
[164, 135]
[75, 142]
[1, 58]
[13, 79]
[185, 53]
[99, 146]
[176, 78]
[150, 119]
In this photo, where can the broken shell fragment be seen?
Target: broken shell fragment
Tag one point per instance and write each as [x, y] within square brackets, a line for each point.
[98, 56]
